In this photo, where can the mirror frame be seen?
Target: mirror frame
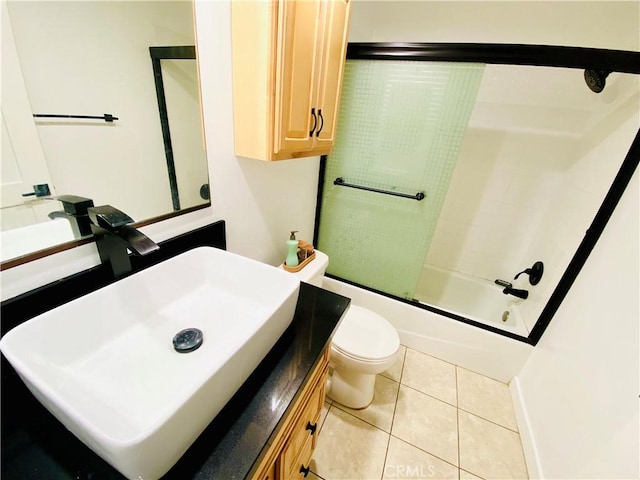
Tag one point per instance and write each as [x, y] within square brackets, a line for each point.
[15, 262]
[187, 52]
[513, 54]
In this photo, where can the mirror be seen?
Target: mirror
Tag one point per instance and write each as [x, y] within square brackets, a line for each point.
[144, 151]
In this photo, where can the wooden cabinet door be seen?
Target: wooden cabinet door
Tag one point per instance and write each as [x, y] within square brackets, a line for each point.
[298, 52]
[329, 81]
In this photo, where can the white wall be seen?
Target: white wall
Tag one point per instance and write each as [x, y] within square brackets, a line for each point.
[580, 386]
[261, 201]
[601, 24]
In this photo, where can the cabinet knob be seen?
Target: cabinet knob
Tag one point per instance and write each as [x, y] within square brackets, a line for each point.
[321, 122]
[312, 427]
[315, 121]
[304, 470]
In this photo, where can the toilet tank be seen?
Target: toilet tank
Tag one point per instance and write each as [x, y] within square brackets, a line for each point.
[314, 271]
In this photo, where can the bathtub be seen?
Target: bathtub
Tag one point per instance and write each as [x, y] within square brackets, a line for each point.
[468, 346]
[470, 297]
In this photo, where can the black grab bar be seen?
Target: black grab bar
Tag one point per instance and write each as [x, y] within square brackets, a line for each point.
[341, 183]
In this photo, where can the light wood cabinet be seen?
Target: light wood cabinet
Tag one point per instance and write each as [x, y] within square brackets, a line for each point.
[290, 453]
[288, 62]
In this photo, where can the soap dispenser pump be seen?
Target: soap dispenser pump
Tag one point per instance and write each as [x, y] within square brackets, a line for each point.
[292, 250]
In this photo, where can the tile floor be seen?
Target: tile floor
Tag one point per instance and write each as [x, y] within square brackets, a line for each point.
[429, 419]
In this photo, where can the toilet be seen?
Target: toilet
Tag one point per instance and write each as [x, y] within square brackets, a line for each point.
[364, 345]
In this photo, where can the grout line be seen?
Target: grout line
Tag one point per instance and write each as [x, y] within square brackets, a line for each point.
[325, 418]
[483, 376]
[425, 451]
[350, 411]
[457, 418]
[393, 416]
[467, 471]
[431, 396]
[490, 421]
[404, 359]
[395, 406]
[386, 453]
[437, 358]
[321, 478]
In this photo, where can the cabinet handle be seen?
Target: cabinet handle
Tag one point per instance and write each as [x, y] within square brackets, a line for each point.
[321, 124]
[304, 470]
[312, 427]
[315, 121]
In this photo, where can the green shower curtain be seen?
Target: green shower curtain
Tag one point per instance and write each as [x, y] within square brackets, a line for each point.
[401, 124]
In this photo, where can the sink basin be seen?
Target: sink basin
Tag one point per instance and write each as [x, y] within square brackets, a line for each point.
[106, 367]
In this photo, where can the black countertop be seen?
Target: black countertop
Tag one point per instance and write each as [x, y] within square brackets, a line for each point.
[36, 446]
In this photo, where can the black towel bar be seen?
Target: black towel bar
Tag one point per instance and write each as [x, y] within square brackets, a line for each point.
[341, 183]
[107, 117]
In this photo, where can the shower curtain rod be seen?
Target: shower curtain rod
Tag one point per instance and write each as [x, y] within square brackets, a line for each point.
[341, 183]
[622, 61]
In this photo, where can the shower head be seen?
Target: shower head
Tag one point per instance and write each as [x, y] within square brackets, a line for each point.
[596, 79]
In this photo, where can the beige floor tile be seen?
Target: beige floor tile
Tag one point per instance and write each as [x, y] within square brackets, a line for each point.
[349, 448]
[468, 476]
[489, 450]
[407, 461]
[486, 398]
[313, 476]
[430, 375]
[426, 423]
[395, 372]
[380, 412]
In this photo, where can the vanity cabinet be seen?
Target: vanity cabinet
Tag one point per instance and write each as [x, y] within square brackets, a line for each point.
[291, 451]
[288, 62]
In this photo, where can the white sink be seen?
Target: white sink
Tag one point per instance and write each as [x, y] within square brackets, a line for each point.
[106, 367]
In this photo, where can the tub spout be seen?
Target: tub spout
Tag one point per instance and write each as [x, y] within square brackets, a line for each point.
[524, 294]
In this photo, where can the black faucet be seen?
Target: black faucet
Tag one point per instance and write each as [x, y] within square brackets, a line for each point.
[75, 210]
[516, 292]
[114, 236]
[509, 290]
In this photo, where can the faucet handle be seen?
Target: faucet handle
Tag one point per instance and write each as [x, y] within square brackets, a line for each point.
[108, 217]
[535, 273]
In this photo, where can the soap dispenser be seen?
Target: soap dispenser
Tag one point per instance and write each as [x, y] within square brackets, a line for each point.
[292, 250]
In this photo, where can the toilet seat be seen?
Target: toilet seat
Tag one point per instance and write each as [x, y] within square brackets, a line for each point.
[365, 336]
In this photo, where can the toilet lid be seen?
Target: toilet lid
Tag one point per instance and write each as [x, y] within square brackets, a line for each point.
[366, 335]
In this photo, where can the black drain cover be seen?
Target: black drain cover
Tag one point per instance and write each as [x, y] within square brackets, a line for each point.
[187, 340]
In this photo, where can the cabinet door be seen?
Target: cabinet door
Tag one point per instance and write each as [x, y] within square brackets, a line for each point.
[329, 81]
[298, 52]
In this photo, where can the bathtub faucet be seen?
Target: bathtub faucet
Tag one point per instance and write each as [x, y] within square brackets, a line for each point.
[509, 290]
[516, 292]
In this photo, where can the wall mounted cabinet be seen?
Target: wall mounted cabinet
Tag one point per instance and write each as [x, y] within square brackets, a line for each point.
[288, 62]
